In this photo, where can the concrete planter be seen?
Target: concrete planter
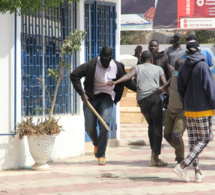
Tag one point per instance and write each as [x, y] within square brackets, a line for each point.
[41, 149]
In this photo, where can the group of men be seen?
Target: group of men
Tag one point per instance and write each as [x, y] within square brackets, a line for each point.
[183, 73]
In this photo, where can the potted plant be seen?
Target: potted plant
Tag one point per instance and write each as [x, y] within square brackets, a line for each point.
[41, 135]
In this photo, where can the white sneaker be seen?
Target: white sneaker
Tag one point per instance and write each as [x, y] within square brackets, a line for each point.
[199, 177]
[181, 173]
[211, 136]
[163, 145]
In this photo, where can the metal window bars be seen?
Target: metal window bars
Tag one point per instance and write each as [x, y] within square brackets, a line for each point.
[100, 24]
[42, 35]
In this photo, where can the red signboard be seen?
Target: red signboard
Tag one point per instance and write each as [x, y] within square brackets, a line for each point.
[196, 14]
[167, 14]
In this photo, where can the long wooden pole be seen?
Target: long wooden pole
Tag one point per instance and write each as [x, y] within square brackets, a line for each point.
[99, 117]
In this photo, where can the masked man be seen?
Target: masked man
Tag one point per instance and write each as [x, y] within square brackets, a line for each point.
[97, 72]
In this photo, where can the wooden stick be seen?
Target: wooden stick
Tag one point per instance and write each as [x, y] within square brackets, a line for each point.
[99, 117]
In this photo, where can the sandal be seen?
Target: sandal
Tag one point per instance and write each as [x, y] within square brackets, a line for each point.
[160, 163]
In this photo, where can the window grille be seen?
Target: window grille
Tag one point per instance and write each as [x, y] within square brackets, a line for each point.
[42, 35]
[100, 24]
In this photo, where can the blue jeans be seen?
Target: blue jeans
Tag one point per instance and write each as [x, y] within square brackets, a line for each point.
[151, 108]
[104, 106]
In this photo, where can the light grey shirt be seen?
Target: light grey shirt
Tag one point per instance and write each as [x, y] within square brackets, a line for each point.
[173, 54]
[148, 79]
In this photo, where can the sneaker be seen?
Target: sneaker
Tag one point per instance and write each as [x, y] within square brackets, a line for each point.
[211, 136]
[162, 145]
[95, 150]
[181, 173]
[101, 161]
[199, 177]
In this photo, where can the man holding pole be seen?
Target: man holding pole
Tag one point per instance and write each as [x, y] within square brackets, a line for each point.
[98, 97]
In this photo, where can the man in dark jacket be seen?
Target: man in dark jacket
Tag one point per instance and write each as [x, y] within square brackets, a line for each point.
[97, 72]
[159, 58]
[197, 92]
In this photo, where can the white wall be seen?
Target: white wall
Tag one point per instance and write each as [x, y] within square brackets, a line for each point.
[129, 49]
[14, 153]
[8, 144]
[7, 72]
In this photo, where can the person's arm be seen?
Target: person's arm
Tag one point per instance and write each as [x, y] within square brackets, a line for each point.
[124, 78]
[167, 70]
[210, 57]
[163, 79]
[84, 98]
[208, 85]
[165, 86]
[76, 76]
[181, 87]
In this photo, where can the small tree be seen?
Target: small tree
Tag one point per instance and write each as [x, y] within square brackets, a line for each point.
[71, 44]
[49, 125]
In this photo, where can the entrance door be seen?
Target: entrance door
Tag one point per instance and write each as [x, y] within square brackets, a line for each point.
[100, 24]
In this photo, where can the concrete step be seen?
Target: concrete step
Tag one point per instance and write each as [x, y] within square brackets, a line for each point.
[129, 94]
[129, 109]
[131, 115]
[128, 102]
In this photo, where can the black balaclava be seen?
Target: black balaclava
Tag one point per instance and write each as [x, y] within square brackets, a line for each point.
[106, 56]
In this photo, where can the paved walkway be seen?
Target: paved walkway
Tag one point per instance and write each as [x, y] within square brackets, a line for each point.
[126, 173]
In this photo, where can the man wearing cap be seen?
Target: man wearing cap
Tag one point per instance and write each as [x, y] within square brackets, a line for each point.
[197, 92]
[97, 72]
[208, 53]
[175, 51]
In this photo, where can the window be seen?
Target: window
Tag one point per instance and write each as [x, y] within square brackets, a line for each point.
[100, 23]
[42, 35]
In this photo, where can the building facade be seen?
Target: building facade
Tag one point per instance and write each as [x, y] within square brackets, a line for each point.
[30, 44]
